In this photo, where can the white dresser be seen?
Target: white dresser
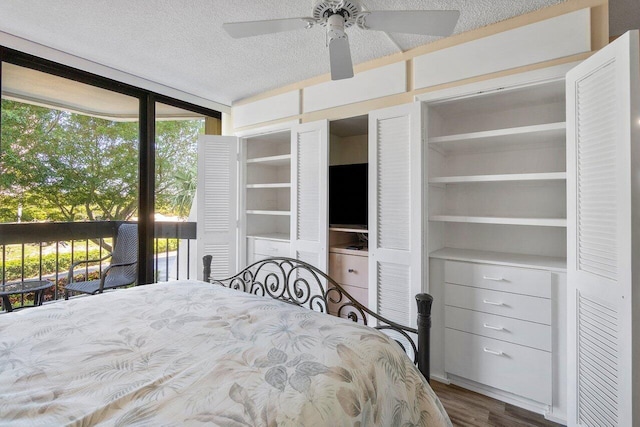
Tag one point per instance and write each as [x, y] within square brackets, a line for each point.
[350, 268]
[498, 327]
[261, 248]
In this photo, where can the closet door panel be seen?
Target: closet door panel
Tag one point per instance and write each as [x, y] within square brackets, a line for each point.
[602, 138]
[395, 211]
[309, 202]
[217, 195]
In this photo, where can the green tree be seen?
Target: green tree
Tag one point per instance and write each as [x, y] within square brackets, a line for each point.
[69, 165]
[185, 189]
[65, 166]
[176, 157]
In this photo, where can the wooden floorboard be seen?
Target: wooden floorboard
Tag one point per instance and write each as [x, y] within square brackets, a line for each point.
[467, 408]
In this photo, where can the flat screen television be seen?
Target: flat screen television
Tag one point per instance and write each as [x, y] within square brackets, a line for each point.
[348, 194]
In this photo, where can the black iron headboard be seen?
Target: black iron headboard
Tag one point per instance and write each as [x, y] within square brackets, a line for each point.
[302, 284]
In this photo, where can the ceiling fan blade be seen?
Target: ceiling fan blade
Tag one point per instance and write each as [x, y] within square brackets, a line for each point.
[425, 22]
[256, 28]
[340, 59]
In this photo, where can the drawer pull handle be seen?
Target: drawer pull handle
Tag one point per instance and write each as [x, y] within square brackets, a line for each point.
[495, 279]
[495, 328]
[351, 270]
[272, 249]
[496, 353]
[492, 302]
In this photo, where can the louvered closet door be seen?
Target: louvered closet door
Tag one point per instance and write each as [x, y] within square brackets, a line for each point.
[602, 165]
[309, 203]
[217, 203]
[395, 211]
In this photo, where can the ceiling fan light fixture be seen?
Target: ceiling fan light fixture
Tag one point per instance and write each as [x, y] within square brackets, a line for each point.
[348, 9]
[335, 28]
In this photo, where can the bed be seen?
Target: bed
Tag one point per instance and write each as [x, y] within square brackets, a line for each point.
[193, 353]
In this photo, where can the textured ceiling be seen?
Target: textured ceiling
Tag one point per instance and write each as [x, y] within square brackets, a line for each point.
[624, 15]
[181, 44]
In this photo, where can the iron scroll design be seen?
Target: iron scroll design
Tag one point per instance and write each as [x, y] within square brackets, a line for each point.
[299, 283]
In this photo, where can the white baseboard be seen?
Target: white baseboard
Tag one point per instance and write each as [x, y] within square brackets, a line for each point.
[501, 395]
[556, 419]
[440, 379]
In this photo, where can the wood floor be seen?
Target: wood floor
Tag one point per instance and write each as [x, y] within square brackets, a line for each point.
[466, 408]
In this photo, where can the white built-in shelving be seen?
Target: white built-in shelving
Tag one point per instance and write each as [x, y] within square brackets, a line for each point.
[270, 185]
[501, 138]
[279, 160]
[497, 174]
[539, 222]
[267, 212]
[502, 258]
[510, 177]
[278, 237]
[267, 186]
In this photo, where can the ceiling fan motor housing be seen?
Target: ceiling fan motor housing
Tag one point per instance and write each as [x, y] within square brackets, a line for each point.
[348, 9]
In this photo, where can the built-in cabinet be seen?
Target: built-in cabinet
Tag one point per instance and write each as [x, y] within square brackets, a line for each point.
[349, 266]
[265, 177]
[348, 243]
[496, 191]
[497, 172]
[479, 194]
[498, 324]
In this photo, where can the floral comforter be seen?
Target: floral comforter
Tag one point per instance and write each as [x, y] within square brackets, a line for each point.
[192, 353]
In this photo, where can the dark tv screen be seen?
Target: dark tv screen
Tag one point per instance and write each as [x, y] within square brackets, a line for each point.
[348, 194]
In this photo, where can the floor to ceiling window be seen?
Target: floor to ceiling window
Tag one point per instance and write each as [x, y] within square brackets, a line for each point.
[80, 149]
[177, 132]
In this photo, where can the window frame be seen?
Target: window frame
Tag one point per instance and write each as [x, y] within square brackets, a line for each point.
[146, 142]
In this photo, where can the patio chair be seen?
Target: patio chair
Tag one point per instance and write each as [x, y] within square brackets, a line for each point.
[121, 272]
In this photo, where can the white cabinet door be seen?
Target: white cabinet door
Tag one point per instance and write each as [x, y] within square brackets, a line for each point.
[218, 203]
[309, 203]
[602, 258]
[395, 211]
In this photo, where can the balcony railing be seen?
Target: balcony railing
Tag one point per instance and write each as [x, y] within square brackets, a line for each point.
[37, 251]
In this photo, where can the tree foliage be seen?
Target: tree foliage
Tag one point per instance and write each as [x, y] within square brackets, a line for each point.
[68, 167]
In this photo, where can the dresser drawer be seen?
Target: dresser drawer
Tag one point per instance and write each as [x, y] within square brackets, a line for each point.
[268, 248]
[510, 367]
[254, 257]
[499, 327]
[349, 269]
[501, 303]
[500, 278]
[360, 294]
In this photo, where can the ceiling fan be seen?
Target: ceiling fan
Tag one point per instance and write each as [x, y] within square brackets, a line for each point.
[338, 15]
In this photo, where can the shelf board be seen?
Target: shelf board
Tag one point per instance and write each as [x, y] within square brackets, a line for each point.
[271, 185]
[263, 212]
[502, 258]
[343, 249]
[280, 237]
[550, 176]
[280, 160]
[541, 222]
[508, 136]
[349, 229]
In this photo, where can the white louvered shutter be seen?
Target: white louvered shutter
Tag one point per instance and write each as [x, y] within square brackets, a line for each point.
[602, 164]
[217, 203]
[309, 203]
[395, 212]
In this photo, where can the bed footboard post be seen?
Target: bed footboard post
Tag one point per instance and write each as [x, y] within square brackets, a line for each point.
[206, 270]
[424, 302]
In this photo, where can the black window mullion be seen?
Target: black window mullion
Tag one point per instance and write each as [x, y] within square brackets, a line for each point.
[146, 200]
